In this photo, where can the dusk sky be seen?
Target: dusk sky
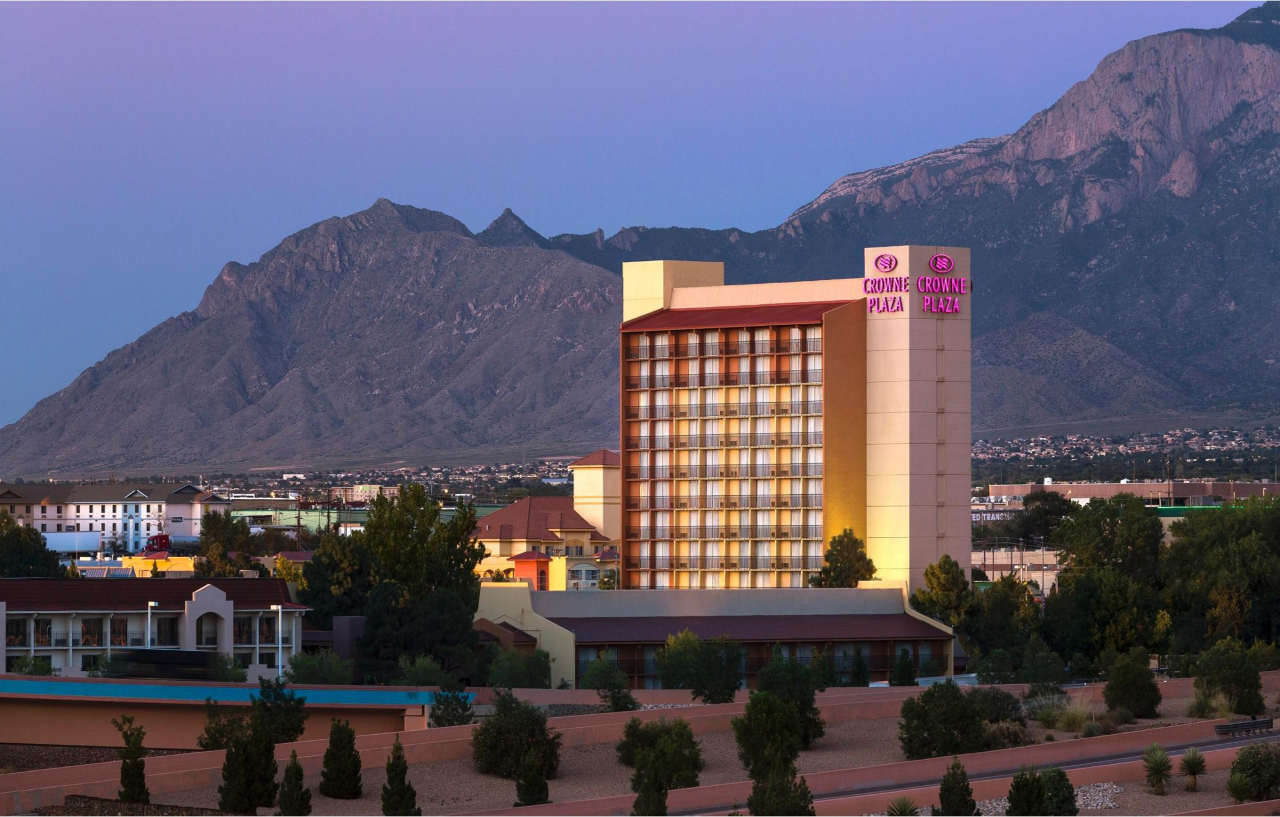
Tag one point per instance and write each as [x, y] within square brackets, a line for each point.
[143, 146]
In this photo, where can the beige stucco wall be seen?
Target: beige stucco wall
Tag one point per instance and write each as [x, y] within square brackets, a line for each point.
[597, 497]
[511, 602]
[647, 285]
[918, 422]
[787, 292]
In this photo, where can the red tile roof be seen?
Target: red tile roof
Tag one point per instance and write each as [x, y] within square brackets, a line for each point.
[602, 457]
[529, 556]
[34, 595]
[714, 316]
[534, 518]
[655, 629]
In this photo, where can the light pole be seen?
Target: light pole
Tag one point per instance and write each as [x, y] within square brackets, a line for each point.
[279, 609]
[150, 605]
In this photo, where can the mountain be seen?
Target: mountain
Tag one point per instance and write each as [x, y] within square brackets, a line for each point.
[1125, 257]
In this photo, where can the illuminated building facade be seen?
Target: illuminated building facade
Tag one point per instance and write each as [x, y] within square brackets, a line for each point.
[759, 421]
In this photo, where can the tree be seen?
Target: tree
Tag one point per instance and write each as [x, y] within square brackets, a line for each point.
[338, 579]
[679, 747]
[324, 667]
[531, 782]
[780, 791]
[608, 579]
[1026, 795]
[658, 769]
[611, 684]
[295, 798]
[904, 671]
[421, 552]
[133, 771]
[398, 794]
[847, 562]
[955, 795]
[279, 709]
[512, 669]
[289, 571]
[1227, 668]
[1132, 685]
[226, 668]
[1257, 767]
[220, 528]
[423, 671]
[1157, 766]
[1192, 766]
[946, 592]
[221, 726]
[1001, 617]
[501, 741]
[767, 735]
[940, 721]
[1059, 794]
[248, 771]
[399, 623]
[451, 708]
[709, 669]
[23, 554]
[340, 776]
[796, 685]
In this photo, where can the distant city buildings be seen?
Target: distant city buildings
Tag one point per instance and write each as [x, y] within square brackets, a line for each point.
[362, 493]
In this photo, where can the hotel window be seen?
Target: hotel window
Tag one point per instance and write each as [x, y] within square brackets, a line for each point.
[119, 631]
[711, 342]
[762, 341]
[90, 526]
[814, 364]
[58, 528]
[691, 343]
[813, 338]
[165, 632]
[15, 632]
[764, 366]
[59, 510]
[91, 632]
[744, 342]
[44, 510]
[44, 528]
[44, 632]
[242, 626]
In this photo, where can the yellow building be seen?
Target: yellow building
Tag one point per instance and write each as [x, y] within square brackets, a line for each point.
[758, 421]
[173, 567]
[559, 542]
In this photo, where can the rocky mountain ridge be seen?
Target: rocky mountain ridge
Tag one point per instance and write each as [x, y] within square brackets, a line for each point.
[1124, 249]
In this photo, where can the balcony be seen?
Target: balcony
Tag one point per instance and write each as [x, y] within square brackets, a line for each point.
[725, 563]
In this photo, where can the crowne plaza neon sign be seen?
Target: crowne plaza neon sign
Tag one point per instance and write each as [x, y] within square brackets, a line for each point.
[939, 293]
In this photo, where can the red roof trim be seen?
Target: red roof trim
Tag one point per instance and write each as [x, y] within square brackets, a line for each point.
[715, 316]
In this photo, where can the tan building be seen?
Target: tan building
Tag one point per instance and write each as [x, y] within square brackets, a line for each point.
[759, 421]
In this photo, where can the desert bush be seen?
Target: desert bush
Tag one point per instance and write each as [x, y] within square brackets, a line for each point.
[1072, 719]
[940, 721]
[994, 705]
[1192, 766]
[638, 736]
[1132, 685]
[1005, 735]
[515, 729]
[1059, 794]
[1259, 766]
[324, 667]
[611, 684]
[1157, 766]
[902, 807]
[1092, 729]
[1120, 716]
[1205, 705]
[451, 709]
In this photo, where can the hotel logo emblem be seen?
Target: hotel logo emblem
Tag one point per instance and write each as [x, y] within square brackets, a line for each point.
[886, 262]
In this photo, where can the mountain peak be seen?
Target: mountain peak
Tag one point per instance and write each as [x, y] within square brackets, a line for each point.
[386, 213]
[509, 230]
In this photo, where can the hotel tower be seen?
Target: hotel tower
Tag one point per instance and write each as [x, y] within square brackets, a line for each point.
[759, 421]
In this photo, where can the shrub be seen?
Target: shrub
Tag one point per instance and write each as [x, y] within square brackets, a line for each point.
[279, 710]
[226, 668]
[221, 726]
[340, 776]
[451, 709]
[1045, 689]
[1192, 766]
[32, 665]
[780, 791]
[1121, 716]
[660, 767]
[515, 729]
[1092, 729]
[1072, 719]
[1238, 787]
[512, 669]
[1259, 765]
[1132, 685]
[902, 807]
[1156, 764]
[1204, 705]
[955, 795]
[994, 705]
[133, 771]
[324, 667]
[1026, 794]
[796, 685]
[1059, 794]
[709, 669]
[248, 771]
[1227, 668]
[1048, 717]
[995, 667]
[295, 798]
[1004, 735]
[1049, 738]
[638, 736]
[531, 782]
[767, 735]
[940, 721]
[423, 671]
[398, 795]
[611, 684]
[904, 671]
[1265, 656]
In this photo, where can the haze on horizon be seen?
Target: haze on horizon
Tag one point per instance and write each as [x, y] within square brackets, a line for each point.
[147, 145]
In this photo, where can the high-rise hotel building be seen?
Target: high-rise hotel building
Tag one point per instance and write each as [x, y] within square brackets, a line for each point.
[759, 421]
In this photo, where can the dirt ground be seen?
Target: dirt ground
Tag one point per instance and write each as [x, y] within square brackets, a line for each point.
[1138, 799]
[585, 771]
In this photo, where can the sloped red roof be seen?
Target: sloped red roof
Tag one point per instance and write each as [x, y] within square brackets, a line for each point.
[529, 556]
[535, 517]
[602, 457]
[714, 316]
[33, 595]
[848, 627]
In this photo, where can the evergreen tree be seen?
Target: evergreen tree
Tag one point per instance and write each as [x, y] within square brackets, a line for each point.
[795, 684]
[531, 781]
[780, 791]
[235, 795]
[133, 773]
[611, 684]
[1026, 795]
[398, 794]
[860, 675]
[279, 710]
[1132, 685]
[295, 798]
[767, 734]
[847, 562]
[340, 777]
[1059, 794]
[451, 709]
[955, 795]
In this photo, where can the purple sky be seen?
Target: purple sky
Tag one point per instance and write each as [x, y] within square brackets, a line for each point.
[143, 146]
